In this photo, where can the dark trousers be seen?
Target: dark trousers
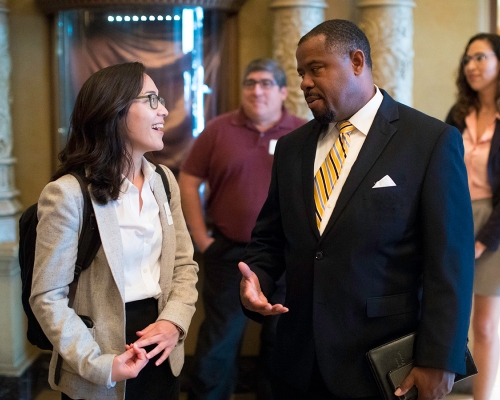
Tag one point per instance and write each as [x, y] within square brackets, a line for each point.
[215, 371]
[152, 383]
[317, 389]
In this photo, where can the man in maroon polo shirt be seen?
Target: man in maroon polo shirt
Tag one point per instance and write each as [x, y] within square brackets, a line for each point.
[234, 155]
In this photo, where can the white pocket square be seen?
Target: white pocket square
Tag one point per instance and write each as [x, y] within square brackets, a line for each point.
[386, 181]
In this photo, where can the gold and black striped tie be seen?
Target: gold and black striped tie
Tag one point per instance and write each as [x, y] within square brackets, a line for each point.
[329, 172]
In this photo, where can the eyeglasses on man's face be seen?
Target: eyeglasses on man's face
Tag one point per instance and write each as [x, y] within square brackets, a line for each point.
[265, 84]
[153, 100]
[477, 57]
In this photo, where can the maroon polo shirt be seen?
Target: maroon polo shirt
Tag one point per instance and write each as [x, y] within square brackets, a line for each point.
[236, 161]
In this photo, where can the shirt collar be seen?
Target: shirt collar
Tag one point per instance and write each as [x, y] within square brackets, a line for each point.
[362, 120]
[149, 173]
[149, 178]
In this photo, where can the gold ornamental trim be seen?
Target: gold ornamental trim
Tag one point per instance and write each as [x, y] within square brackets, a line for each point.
[52, 6]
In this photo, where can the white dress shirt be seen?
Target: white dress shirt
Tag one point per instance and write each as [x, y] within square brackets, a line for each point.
[141, 235]
[362, 122]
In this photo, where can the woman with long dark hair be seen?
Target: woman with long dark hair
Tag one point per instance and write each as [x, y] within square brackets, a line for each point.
[139, 292]
[477, 115]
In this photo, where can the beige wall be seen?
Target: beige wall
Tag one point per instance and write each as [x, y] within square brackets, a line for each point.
[31, 101]
[255, 31]
[442, 29]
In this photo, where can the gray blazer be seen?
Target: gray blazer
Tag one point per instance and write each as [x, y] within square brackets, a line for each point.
[88, 353]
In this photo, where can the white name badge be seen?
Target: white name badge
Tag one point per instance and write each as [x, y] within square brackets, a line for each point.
[272, 146]
[169, 213]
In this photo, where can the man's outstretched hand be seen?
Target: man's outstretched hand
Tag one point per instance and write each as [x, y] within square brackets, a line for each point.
[251, 295]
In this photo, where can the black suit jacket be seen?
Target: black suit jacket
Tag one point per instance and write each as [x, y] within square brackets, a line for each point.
[391, 260]
[489, 234]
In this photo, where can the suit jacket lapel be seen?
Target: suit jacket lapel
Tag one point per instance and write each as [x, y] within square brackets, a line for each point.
[107, 222]
[379, 135]
[308, 157]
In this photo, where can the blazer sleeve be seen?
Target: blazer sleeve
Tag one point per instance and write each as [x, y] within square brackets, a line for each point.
[448, 257]
[59, 214]
[182, 294]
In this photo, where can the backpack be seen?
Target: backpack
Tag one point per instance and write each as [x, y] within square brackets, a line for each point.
[88, 245]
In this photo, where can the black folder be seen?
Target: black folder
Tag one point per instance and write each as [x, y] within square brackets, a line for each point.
[391, 363]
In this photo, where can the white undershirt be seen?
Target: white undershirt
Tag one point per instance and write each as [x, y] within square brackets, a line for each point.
[362, 122]
[141, 235]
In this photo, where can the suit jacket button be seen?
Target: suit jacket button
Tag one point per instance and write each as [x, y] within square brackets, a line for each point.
[319, 255]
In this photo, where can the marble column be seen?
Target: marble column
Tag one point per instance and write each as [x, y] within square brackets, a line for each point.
[292, 20]
[388, 24]
[15, 353]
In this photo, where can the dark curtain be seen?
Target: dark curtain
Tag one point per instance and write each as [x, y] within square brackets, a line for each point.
[92, 43]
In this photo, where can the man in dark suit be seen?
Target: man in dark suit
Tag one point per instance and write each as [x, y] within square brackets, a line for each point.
[377, 241]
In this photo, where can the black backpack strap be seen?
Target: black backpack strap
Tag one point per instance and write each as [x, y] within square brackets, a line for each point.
[89, 242]
[164, 178]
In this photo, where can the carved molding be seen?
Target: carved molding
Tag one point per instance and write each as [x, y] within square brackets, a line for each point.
[5, 68]
[390, 31]
[9, 205]
[369, 3]
[52, 6]
[298, 3]
[290, 24]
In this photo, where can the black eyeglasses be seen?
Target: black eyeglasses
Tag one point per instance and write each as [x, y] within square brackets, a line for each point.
[478, 58]
[153, 100]
[264, 83]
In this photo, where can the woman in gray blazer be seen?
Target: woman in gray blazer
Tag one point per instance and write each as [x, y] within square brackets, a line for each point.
[139, 292]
